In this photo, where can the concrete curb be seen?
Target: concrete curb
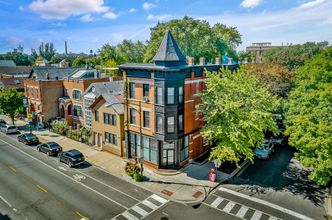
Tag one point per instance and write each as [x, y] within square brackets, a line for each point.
[328, 203]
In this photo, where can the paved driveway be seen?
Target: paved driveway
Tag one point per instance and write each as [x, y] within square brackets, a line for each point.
[282, 180]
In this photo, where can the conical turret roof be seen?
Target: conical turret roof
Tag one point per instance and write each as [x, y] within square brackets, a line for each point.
[169, 50]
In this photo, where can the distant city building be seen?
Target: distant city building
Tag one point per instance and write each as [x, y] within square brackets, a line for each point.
[20, 49]
[15, 50]
[260, 48]
[73, 56]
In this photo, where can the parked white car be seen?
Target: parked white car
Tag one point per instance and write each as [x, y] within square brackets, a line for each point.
[8, 129]
[265, 150]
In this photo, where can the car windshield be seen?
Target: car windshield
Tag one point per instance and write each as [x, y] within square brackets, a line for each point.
[11, 127]
[53, 146]
[31, 136]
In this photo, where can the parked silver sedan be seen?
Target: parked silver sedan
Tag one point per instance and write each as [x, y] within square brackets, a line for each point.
[8, 129]
[265, 150]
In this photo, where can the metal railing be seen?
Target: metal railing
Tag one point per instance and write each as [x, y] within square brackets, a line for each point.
[77, 135]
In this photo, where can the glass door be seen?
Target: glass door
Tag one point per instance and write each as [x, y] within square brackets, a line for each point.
[168, 154]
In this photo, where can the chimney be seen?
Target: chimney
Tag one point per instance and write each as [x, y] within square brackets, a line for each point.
[253, 60]
[202, 61]
[218, 61]
[240, 60]
[246, 60]
[230, 60]
[191, 61]
[66, 46]
[47, 76]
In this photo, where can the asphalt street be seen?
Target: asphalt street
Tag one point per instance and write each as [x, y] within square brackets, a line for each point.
[37, 187]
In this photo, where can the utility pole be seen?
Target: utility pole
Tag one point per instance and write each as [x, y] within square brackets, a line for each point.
[141, 139]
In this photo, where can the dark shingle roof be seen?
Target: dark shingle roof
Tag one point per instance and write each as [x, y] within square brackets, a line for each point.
[169, 50]
[11, 83]
[16, 70]
[53, 72]
[7, 63]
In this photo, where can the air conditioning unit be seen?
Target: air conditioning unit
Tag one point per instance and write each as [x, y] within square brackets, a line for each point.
[145, 98]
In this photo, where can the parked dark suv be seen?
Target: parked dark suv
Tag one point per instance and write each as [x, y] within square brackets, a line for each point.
[50, 148]
[71, 157]
[28, 139]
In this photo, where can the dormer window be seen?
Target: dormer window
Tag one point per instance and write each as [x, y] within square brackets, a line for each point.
[77, 94]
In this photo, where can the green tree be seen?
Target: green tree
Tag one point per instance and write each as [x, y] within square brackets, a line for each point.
[309, 116]
[107, 52]
[195, 38]
[47, 51]
[78, 62]
[93, 62]
[68, 60]
[243, 54]
[295, 56]
[11, 101]
[237, 109]
[56, 59]
[18, 58]
[130, 52]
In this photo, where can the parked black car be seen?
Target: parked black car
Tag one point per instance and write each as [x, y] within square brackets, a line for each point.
[2, 122]
[50, 148]
[71, 157]
[28, 138]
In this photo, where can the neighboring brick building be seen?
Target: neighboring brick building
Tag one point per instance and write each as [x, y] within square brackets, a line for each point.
[12, 82]
[108, 123]
[260, 48]
[163, 91]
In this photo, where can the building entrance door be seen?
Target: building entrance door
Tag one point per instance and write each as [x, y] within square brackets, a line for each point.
[168, 154]
[100, 141]
[96, 139]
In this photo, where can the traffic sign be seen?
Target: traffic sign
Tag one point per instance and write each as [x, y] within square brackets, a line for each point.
[29, 115]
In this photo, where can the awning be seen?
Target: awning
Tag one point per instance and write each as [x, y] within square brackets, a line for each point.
[37, 112]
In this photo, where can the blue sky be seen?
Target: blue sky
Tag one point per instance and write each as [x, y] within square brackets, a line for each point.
[88, 24]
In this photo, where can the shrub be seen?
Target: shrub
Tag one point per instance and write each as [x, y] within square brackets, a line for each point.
[137, 177]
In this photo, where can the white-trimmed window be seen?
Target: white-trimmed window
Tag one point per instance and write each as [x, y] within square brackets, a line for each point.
[77, 94]
[31, 88]
[78, 111]
[159, 95]
[170, 95]
[184, 145]
[28, 91]
[170, 124]
[36, 88]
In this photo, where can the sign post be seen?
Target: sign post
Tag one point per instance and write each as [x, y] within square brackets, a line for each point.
[29, 116]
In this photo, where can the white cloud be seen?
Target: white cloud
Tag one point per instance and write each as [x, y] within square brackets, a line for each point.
[87, 18]
[21, 8]
[95, 40]
[110, 15]
[59, 24]
[133, 10]
[14, 41]
[69, 38]
[148, 6]
[117, 37]
[311, 4]
[159, 17]
[62, 9]
[157, 0]
[251, 3]
[52, 32]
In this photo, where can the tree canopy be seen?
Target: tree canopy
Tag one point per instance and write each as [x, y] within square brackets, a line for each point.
[195, 38]
[11, 101]
[18, 58]
[237, 109]
[309, 116]
[294, 56]
[93, 62]
[78, 62]
[56, 59]
[47, 51]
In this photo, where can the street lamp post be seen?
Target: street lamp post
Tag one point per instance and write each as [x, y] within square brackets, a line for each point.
[141, 158]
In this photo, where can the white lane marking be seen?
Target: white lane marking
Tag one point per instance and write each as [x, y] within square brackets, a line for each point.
[78, 177]
[150, 204]
[15, 210]
[217, 202]
[229, 206]
[158, 198]
[257, 215]
[290, 212]
[129, 216]
[66, 175]
[272, 218]
[164, 213]
[140, 211]
[62, 168]
[5, 201]
[95, 178]
[243, 210]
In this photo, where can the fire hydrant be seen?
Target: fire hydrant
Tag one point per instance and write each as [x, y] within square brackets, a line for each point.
[213, 176]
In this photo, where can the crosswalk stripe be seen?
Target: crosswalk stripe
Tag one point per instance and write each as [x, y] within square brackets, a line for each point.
[257, 215]
[243, 210]
[229, 206]
[217, 202]
[150, 204]
[140, 211]
[129, 216]
[158, 198]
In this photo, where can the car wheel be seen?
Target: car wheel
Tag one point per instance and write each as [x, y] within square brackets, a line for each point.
[38, 149]
[70, 165]
[48, 153]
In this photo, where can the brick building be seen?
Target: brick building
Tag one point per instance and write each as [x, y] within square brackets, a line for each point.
[161, 103]
[260, 48]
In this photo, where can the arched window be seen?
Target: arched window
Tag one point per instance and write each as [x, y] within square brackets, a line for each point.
[77, 94]
[69, 109]
[78, 111]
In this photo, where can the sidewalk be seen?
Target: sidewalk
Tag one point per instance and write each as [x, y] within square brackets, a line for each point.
[191, 184]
